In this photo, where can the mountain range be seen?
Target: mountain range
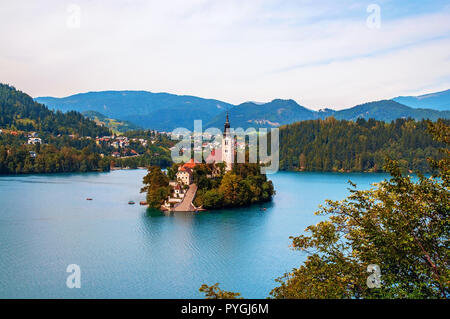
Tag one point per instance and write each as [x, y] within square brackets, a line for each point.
[438, 101]
[160, 111]
[165, 111]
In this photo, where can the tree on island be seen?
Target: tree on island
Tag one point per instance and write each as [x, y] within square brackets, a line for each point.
[242, 186]
[400, 225]
[157, 187]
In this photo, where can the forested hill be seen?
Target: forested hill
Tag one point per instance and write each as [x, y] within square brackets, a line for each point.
[114, 124]
[19, 111]
[341, 145]
[388, 110]
[273, 114]
[281, 112]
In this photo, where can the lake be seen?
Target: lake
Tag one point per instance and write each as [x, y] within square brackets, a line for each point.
[127, 251]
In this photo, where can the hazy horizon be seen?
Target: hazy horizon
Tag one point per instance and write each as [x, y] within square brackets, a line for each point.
[213, 98]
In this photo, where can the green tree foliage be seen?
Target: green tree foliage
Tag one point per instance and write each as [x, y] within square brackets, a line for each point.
[332, 145]
[213, 198]
[148, 158]
[214, 292]
[17, 158]
[442, 134]
[172, 171]
[156, 184]
[231, 188]
[401, 225]
[242, 186]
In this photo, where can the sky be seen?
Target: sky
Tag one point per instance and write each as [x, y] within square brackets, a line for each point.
[329, 53]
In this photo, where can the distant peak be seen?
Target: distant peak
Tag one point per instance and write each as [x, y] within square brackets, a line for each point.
[284, 101]
[255, 102]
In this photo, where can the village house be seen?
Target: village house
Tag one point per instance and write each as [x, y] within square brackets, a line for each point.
[34, 140]
[179, 191]
[185, 172]
[178, 195]
[185, 175]
[143, 142]
[101, 140]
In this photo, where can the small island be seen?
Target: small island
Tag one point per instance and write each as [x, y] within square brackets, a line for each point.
[215, 183]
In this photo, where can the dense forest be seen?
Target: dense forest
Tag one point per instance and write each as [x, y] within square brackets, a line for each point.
[64, 155]
[18, 111]
[362, 145]
[243, 186]
[160, 158]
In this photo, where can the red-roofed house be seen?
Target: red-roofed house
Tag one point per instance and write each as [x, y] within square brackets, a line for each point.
[185, 175]
[191, 164]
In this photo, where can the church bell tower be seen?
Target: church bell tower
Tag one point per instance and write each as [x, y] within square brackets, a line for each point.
[227, 146]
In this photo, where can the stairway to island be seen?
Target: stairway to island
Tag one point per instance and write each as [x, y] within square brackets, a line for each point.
[186, 205]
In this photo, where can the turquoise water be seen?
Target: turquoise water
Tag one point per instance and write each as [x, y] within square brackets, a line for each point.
[125, 251]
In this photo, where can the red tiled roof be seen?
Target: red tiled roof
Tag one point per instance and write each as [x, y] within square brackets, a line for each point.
[190, 164]
[185, 169]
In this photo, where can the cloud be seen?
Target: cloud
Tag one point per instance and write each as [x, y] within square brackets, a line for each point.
[320, 53]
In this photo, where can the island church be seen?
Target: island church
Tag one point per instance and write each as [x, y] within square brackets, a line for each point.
[224, 155]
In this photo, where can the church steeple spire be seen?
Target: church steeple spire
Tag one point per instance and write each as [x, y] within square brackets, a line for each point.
[227, 126]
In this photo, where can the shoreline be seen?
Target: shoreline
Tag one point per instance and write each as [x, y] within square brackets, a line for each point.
[126, 168]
